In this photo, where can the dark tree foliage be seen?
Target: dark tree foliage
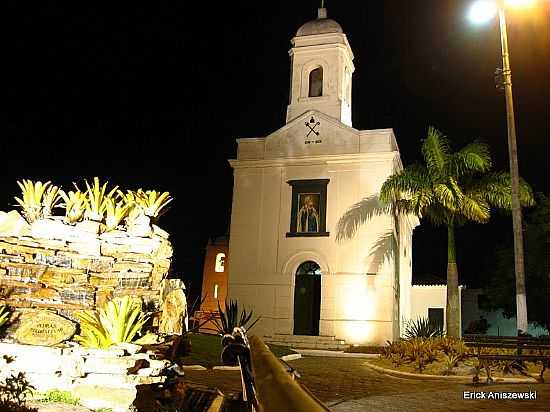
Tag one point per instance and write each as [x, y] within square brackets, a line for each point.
[501, 286]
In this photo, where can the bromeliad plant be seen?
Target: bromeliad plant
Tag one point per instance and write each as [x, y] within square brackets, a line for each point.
[152, 202]
[231, 318]
[120, 320]
[115, 213]
[38, 199]
[97, 196]
[97, 203]
[75, 205]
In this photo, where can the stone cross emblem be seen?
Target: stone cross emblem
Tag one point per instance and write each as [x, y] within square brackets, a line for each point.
[312, 125]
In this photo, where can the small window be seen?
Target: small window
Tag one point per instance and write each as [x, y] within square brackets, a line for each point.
[216, 291]
[316, 82]
[220, 262]
[436, 315]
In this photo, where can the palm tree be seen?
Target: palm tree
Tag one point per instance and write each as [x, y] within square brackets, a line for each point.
[451, 189]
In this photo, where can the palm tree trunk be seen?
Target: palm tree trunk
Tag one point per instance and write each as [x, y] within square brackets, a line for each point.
[453, 305]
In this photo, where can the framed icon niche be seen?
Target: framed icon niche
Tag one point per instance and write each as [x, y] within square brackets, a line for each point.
[308, 213]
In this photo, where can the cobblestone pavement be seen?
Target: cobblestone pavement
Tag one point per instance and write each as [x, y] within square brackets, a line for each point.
[346, 385]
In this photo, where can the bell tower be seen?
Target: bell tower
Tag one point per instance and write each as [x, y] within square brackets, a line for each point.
[321, 70]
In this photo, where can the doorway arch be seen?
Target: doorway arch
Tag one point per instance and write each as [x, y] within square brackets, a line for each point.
[307, 299]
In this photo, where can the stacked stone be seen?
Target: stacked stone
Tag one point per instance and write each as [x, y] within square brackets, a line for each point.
[65, 267]
[100, 378]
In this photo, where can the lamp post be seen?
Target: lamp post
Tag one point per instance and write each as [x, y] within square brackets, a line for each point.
[484, 10]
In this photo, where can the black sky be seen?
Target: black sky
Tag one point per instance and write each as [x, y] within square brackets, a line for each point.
[154, 96]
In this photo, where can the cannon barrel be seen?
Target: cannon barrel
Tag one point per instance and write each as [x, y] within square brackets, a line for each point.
[275, 386]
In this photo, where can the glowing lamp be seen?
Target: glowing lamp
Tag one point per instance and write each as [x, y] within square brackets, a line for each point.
[482, 11]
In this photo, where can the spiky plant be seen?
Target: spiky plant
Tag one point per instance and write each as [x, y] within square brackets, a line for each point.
[75, 204]
[52, 197]
[4, 315]
[120, 320]
[423, 328]
[96, 195]
[32, 196]
[231, 318]
[92, 332]
[115, 213]
[449, 189]
[153, 203]
[128, 198]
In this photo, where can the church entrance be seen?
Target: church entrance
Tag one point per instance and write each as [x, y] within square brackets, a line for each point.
[307, 299]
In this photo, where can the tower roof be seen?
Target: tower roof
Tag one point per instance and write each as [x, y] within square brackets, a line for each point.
[321, 25]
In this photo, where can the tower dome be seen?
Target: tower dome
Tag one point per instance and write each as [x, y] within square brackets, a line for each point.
[321, 25]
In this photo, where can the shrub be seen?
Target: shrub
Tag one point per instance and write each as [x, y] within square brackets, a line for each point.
[120, 320]
[423, 328]
[230, 319]
[13, 393]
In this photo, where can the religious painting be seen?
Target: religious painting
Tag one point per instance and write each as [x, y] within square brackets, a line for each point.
[308, 208]
[307, 219]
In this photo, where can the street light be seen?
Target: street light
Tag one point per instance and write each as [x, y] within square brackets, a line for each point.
[482, 11]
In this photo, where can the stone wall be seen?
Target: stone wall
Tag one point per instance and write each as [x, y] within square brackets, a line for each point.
[100, 378]
[54, 265]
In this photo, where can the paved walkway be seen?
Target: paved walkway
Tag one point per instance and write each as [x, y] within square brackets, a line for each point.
[346, 385]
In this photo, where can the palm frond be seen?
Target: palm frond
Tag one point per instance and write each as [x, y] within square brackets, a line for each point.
[476, 210]
[400, 185]
[435, 149]
[496, 190]
[473, 158]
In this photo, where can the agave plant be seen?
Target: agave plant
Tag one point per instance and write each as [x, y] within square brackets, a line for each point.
[75, 205]
[152, 202]
[32, 194]
[4, 315]
[115, 213]
[231, 319]
[120, 320]
[423, 328]
[51, 199]
[97, 196]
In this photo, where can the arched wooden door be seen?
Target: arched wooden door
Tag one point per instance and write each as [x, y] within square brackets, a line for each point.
[307, 299]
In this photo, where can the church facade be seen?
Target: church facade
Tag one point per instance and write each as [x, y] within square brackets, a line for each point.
[290, 190]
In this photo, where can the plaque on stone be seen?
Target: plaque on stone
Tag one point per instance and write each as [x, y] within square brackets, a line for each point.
[45, 329]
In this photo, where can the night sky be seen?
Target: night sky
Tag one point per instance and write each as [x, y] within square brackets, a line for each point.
[154, 96]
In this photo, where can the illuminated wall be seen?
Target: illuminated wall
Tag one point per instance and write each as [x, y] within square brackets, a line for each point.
[215, 272]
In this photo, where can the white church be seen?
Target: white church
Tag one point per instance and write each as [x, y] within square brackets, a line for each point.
[290, 190]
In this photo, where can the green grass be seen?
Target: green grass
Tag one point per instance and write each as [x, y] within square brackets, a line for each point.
[206, 351]
[55, 395]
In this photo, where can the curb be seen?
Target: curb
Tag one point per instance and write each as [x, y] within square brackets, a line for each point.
[291, 357]
[335, 354]
[226, 368]
[193, 367]
[458, 379]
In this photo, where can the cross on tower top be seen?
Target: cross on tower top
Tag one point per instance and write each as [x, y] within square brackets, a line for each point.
[322, 12]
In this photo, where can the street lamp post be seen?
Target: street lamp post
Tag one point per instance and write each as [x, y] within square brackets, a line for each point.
[483, 10]
[521, 300]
